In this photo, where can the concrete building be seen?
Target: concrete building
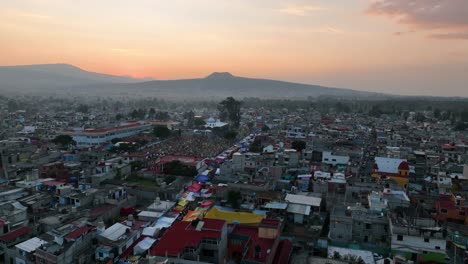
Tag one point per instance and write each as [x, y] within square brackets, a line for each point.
[95, 137]
[204, 242]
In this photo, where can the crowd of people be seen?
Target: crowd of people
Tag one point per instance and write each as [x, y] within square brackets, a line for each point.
[198, 146]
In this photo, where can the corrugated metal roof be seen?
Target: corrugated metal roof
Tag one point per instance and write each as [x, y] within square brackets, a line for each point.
[115, 231]
[299, 209]
[302, 199]
[31, 244]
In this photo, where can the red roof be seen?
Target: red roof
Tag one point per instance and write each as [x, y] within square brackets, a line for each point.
[270, 222]
[78, 232]
[264, 243]
[403, 166]
[182, 234]
[53, 183]
[283, 252]
[11, 236]
[98, 211]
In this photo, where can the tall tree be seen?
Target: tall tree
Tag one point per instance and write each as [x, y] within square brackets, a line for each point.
[230, 109]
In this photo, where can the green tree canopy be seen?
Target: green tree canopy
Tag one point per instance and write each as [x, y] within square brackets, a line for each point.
[230, 109]
[298, 145]
[64, 140]
[161, 131]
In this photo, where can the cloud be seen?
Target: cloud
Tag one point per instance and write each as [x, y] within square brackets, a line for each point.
[300, 10]
[31, 15]
[449, 16]
[457, 35]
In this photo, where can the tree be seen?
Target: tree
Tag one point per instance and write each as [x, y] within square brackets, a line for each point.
[169, 178]
[229, 109]
[265, 128]
[82, 108]
[233, 199]
[199, 122]
[115, 140]
[138, 113]
[178, 168]
[163, 116]
[419, 117]
[63, 140]
[190, 116]
[118, 116]
[12, 106]
[161, 132]
[231, 134]
[152, 113]
[336, 255]
[256, 146]
[298, 145]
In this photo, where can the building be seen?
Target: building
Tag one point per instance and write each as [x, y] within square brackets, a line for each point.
[114, 241]
[248, 244]
[451, 208]
[69, 245]
[213, 123]
[97, 136]
[418, 240]
[367, 228]
[396, 169]
[203, 241]
[333, 159]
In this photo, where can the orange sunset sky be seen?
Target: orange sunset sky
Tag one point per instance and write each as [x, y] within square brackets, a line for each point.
[417, 47]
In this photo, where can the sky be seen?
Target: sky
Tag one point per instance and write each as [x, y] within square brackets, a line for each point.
[409, 47]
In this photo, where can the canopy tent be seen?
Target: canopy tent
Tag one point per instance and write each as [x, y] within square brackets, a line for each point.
[235, 217]
[143, 245]
[202, 178]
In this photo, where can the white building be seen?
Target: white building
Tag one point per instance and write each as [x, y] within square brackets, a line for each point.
[329, 158]
[95, 137]
[213, 123]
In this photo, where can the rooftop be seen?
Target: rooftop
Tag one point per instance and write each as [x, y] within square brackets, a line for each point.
[172, 244]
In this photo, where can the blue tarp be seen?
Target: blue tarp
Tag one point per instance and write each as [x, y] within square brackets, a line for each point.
[202, 178]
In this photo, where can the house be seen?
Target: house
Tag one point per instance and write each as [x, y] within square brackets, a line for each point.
[417, 240]
[69, 245]
[356, 224]
[333, 159]
[396, 169]
[114, 240]
[248, 244]
[23, 253]
[204, 241]
[302, 205]
[213, 123]
[450, 207]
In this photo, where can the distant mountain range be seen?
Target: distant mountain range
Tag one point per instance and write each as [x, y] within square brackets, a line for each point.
[68, 80]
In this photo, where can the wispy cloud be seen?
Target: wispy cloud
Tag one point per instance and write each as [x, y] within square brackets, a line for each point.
[434, 16]
[448, 36]
[303, 10]
[31, 15]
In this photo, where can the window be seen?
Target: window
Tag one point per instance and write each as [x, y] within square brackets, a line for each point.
[437, 247]
[426, 239]
[462, 212]
[368, 226]
[444, 211]
[101, 255]
[399, 238]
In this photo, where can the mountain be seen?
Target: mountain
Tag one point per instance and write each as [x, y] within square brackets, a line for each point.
[68, 80]
[49, 76]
